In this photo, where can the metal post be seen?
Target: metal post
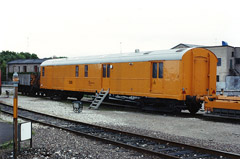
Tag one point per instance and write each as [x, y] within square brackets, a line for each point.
[19, 138]
[31, 137]
[15, 115]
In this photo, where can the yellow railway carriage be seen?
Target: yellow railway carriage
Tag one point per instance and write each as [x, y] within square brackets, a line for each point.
[176, 76]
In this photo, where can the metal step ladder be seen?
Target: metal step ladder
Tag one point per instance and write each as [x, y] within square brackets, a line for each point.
[99, 99]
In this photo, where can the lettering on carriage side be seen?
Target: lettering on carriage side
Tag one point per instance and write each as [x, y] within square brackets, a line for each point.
[90, 83]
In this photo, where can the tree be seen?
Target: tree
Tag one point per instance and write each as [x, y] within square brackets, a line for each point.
[6, 56]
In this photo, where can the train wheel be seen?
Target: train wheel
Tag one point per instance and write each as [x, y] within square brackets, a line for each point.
[194, 108]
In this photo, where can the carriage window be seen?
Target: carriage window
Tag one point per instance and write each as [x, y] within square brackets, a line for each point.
[86, 71]
[104, 70]
[76, 71]
[154, 69]
[108, 70]
[160, 70]
[43, 71]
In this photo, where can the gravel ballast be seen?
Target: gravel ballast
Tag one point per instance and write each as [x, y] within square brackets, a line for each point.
[194, 131]
[49, 142]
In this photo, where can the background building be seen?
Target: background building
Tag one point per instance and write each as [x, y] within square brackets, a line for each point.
[23, 66]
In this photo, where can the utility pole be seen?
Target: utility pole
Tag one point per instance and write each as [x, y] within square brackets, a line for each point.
[15, 114]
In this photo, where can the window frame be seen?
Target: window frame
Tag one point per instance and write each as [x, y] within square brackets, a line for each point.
[160, 70]
[35, 68]
[237, 61]
[231, 64]
[85, 70]
[154, 70]
[24, 68]
[104, 73]
[43, 71]
[76, 71]
[108, 70]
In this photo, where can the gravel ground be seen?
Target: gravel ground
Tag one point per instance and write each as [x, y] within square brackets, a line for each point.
[49, 142]
[208, 134]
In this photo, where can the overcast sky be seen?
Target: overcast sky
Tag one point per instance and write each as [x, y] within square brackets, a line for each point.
[87, 27]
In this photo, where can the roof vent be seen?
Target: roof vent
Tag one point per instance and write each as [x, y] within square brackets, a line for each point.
[145, 53]
[224, 43]
[137, 50]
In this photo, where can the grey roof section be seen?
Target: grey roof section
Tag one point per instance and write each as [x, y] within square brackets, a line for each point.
[199, 46]
[188, 45]
[174, 54]
[27, 61]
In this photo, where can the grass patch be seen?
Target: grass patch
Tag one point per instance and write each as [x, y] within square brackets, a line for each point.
[7, 145]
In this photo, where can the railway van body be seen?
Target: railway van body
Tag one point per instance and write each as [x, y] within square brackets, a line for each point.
[29, 83]
[176, 76]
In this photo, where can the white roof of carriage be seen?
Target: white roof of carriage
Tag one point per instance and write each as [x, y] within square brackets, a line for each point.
[173, 54]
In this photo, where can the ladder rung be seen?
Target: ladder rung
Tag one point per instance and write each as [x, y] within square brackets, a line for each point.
[99, 99]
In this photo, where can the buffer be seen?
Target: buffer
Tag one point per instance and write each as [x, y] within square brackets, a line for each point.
[99, 99]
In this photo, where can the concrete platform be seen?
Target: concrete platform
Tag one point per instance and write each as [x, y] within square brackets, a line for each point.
[6, 132]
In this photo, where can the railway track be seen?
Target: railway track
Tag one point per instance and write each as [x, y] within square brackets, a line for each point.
[143, 144]
[202, 116]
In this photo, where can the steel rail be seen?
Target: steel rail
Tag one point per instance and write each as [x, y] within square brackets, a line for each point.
[139, 149]
[209, 117]
[204, 116]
